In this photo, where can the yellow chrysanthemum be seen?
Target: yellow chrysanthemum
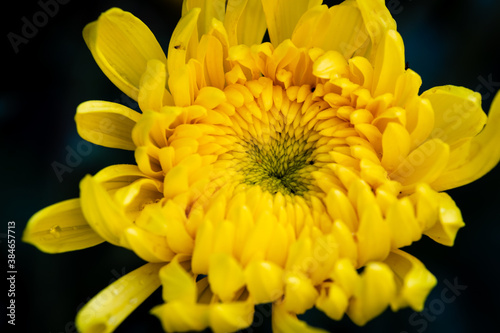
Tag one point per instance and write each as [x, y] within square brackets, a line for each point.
[288, 172]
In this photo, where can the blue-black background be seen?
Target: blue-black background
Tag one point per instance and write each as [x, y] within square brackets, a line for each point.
[447, 42]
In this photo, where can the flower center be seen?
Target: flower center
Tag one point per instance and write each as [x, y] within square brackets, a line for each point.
[284, 164]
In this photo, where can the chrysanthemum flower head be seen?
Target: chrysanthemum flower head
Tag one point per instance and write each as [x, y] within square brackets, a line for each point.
[287, 172]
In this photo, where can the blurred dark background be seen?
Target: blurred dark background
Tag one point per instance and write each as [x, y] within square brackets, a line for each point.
[42, 84]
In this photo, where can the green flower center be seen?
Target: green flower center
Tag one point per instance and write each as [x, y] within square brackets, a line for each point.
[284, 164]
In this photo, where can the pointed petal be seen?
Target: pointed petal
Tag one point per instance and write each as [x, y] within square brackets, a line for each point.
[482, 156]
[148, 246]
[264, 281]
[300, 293]
[281, 17]
[245, 22]
[284, 322]
[450, 220]
[111, 306]
[414, 282]
[152, 92]
[179, 316]
[376, 291]
[122, 45]
[225, 275]
[178, 284]
[101, 212]
[389, 63]
[231, 317]
[60, 228]
[106, 124]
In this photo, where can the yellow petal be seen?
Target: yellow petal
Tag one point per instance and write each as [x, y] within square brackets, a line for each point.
[101, 212]
[413, 280]
[300, 293]
[148, 246]
[122, 45]
[225, 275]
[264, 281]
[377, 289]
[395, 145]
[284, 322]
[402, 223]
[425, 164]
[245, 22]
[60, 228]
[231, 317]
[483, 155]
[209, 10]
[178, 285]
[374, 237]
[389, 63]
[179, 316]
[378, 21]
[333, 302]
[457, 113]
[281, 17]
[106, 124]
[315, 28]
[450, 220]
[111, 306]
[152, 92]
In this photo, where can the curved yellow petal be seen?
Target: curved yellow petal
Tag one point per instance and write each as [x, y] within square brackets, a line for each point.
[106, 124]
[450, 220]
[121, 44]
[300, 293]
[111, 306]
[333, 301]
[413, 281]
[457, 113]
[179, 316]
[339, 28]
[482, 156]
[231, 317]
[148, 246]
[245, 22]
[282, 17]
[209, 10]
[225, 275]
[389, 63]
[60, 228]
[285, 322]
[101, 212]
[376, 291]
[178, 284]
[264, 281]
[153, 94]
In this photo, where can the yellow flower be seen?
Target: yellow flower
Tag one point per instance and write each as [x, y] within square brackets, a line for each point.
[288, 172]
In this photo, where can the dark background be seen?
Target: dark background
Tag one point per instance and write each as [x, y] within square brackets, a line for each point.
[42, 84]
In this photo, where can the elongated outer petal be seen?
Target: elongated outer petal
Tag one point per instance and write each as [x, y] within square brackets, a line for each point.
[483, 155]
[245, 22]
[152, 92]
[179, 52]
[60, 228]
[376, 290]
[413, 280]
[450, 220]
[209, 9]
[457, 113]
[148, 246]
[111, 306]
[122, 45]
[285, 322]
[389, 63]
[281, 17]
[102, 214]
[106, 124]
[378, 21]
